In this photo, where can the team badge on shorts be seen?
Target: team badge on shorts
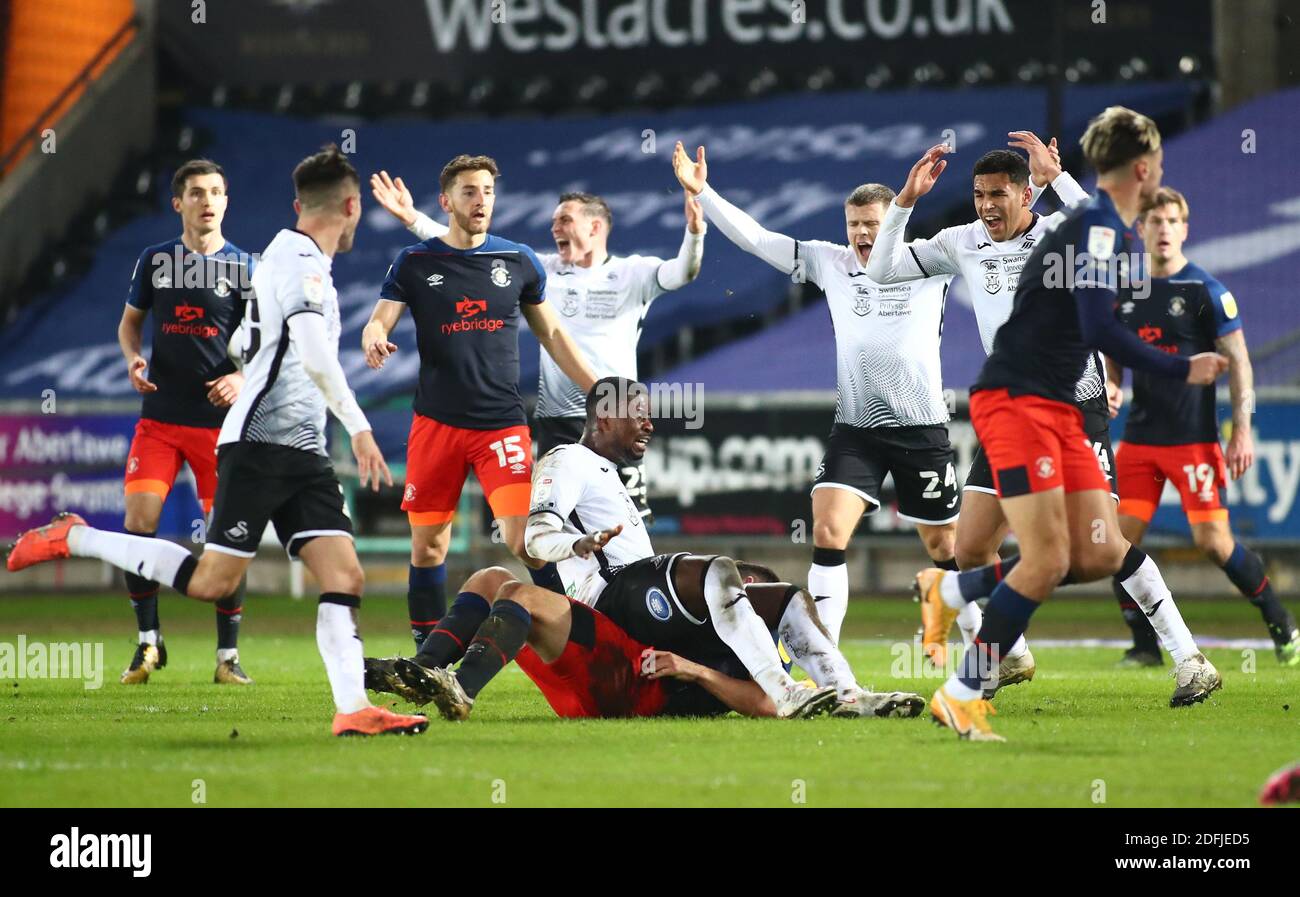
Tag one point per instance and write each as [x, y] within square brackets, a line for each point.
[133, 465]
[657, 603]
[1045, 466]
[409, 494]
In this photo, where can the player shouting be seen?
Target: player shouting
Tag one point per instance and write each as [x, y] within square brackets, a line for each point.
[466, 291]
[272, 464]
[890, 413]
[604, 299]
[988, 253]
[692, 606]
[188, 382]
[1172, 431]
[1053, 491]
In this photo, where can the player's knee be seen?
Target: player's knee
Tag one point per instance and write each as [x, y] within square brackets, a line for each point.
[940, 542]
[827, 534]
[350, 581]
[140, 522]
[424, 554]
[1214, 545]
[488, 581]
[970, 555]
[511, 590]
[1098, 560]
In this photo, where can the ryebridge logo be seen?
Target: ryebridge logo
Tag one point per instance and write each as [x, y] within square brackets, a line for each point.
[470, 311]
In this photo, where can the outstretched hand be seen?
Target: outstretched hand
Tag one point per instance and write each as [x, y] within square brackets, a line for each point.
[692, 175]
[1044, 159]
[394, 197]
[923, 175]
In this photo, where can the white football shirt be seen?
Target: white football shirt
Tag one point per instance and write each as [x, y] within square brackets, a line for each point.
[279, 403]
[584, 490]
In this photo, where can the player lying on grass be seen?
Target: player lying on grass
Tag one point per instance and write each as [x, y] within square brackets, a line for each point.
[1052, 488]
[272, 464]
[890, 413]
[467, 290]
[1172, 431]
[694, 607]
[988, 253]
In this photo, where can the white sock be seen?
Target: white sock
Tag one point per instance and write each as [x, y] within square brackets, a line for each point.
[155, 559]
[960, 690]
[1018, 647]
[1147, 587]
[149, 638]
[340, 648]
[224, 654]
[743, 630]
[830, 587]
[810, 646]
[951, 594]
[969, 620]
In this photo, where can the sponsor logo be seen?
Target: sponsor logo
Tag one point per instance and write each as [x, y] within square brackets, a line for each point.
[468, 308]
[78, 851]
[1126, 309]
[1028, 244]
[1229, 303]
[1045, 466]
[1150, 333]
[659, 606]
[500, 273]
[984, 246]
[161, 279]
[238, 532]
[409, 494]
[187, 313]
[434, 280]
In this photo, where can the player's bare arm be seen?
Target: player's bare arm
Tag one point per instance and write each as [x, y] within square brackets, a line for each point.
[130, 336]
[741, 695]
[545, 325]
[374, 336]
[1241, 387]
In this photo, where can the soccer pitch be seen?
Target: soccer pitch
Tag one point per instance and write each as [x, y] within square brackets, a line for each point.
[1083, 733]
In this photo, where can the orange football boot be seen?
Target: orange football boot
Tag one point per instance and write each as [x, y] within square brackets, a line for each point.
[45, 543]
[378, 721]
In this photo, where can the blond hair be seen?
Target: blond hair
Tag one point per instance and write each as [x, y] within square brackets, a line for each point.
[866, 194]
[1117, 136]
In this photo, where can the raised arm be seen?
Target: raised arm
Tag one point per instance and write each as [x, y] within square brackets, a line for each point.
[393, 197]
[777, 250]
[545, 325]
[892, 260]
[680, 270]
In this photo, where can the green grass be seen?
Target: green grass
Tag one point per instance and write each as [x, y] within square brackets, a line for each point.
[1079, 721]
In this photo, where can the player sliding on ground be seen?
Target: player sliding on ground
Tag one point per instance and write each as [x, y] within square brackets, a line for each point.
[989, 254]
[188, 382]
[623, 598]
[604, 299]
[272, 464]
[890, 413]
[1053, 491]
[467, 290]
[1172, 431]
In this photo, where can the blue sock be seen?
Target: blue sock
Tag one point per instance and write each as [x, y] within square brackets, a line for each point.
[426, 599]
[1005, 619]
[547, 577]
[447, 642]
[981, 581]
[497, 642]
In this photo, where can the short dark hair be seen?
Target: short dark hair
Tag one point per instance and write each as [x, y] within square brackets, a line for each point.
[465, 162]
[866, 194]
[1166, 196]
[593, 205]
[193, 168]
[1118, 136]
[617, 392]
[1002, 161]
[321, 173]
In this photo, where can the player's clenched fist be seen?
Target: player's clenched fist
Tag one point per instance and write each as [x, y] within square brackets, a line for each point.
[1206, 368]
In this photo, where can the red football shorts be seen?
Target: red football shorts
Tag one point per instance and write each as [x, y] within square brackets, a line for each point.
[599, 673]
[1197, 470]
[159, 449]
[1034, 444]
[439, 457]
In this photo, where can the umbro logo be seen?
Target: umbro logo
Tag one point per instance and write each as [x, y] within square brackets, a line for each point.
[434, 280]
